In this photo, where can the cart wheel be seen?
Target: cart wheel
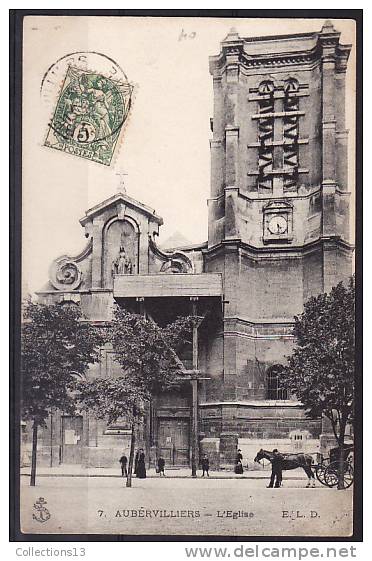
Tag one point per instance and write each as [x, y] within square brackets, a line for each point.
[348, 476]
[319, 472]
[331, 474]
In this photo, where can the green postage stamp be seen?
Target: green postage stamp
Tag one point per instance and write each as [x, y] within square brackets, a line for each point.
[89, 115]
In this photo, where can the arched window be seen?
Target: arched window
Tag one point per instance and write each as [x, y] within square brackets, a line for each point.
[266, 87]
[274, 387]
[69, 304]
[291, 85]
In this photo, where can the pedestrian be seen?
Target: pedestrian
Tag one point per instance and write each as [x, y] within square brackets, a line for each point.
[123, 462]
[161, 464]
[136, 462]
[238, 463]
[205, 465]
[238, 467]
[276, 469]
[141, 467]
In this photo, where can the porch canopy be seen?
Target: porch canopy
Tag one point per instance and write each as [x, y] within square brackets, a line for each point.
[165, 285]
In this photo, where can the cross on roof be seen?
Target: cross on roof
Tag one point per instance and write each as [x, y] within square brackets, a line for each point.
[121, 186]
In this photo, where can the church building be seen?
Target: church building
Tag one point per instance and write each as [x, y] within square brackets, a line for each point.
[278, 233]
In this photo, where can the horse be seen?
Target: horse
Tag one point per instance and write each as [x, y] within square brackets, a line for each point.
[291, 461]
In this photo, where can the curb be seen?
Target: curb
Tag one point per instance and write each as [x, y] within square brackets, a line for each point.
[156, 477]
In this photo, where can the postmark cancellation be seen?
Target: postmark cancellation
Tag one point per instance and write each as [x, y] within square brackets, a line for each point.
[89, 115]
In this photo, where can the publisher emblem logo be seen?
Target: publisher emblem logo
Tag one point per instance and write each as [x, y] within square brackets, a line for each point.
[42, 513]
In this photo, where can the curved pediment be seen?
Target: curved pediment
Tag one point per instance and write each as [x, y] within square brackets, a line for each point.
[121, 242]
[118, 203]
[170, 261]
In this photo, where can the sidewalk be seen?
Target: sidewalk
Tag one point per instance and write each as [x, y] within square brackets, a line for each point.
[179, 473]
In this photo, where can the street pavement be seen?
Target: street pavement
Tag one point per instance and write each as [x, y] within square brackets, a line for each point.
[70, 470]
[215, 506]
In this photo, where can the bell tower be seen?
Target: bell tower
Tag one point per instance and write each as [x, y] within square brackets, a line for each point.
[279, 178]
[279, 134]
[279, 204]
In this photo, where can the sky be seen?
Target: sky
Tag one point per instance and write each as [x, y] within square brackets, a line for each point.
[164, 148]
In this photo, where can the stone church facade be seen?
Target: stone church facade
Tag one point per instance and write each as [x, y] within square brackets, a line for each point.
[278, 233]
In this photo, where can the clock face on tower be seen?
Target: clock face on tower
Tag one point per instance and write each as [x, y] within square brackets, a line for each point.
[278, 225]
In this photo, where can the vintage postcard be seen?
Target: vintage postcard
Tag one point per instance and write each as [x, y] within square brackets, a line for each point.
[188, 257]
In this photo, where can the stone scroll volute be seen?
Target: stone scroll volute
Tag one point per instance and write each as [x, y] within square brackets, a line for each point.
[65, 274]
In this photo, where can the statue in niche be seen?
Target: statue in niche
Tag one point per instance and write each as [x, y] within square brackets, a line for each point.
[122, 265]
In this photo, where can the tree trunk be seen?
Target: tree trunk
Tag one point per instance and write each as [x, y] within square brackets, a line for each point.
[35, 427]
[131, 454]
[341, 470]
[340, 439]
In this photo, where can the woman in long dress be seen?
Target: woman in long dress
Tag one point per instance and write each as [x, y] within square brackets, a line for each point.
[238, 468]
[141, 467]
[238, 463]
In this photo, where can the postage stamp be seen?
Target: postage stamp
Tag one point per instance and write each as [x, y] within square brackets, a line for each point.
[90, 112]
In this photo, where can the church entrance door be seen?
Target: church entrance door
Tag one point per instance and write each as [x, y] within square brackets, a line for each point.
[174, 441]
[72, 440]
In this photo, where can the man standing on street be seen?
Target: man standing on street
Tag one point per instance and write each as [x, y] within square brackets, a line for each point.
[205, 465]
[161, 464]
[239, 463]
[123, 462]
[276, 469]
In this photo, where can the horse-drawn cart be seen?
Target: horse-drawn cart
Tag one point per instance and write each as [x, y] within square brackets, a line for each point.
[327, 470]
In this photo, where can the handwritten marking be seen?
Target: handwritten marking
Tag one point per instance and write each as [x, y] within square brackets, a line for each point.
[183, 35]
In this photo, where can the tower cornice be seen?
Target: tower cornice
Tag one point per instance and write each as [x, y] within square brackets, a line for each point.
[324, 242]
[237, 50]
